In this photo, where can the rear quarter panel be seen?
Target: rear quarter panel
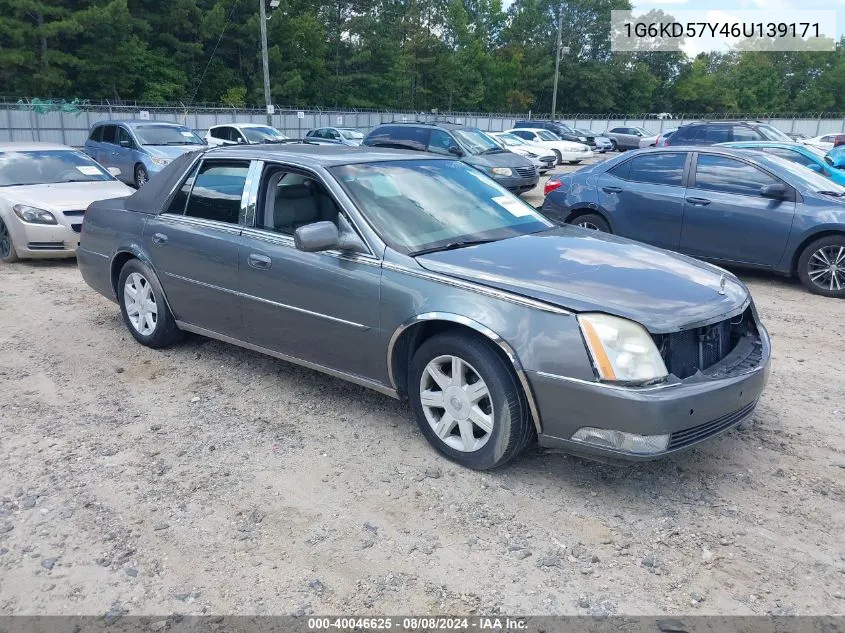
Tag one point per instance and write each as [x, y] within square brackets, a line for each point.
[108, 230]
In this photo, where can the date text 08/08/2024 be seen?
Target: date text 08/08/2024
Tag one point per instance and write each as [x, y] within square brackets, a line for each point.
[418, 623]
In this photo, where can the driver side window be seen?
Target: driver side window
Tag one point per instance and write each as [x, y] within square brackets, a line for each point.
[440, 142]
[290, 200]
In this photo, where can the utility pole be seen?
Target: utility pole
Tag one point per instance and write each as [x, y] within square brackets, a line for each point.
[557, 60]
[266, 61]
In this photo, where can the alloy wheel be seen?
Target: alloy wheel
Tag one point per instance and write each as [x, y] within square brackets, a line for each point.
[587, 225]
[456, 403]
[140, 303]
[5, 241]
[826, 267]
[141, 177]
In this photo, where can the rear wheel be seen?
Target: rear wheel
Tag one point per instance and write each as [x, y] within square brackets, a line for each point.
[7, 248]
[143, 307]
[821, 267]
[141, 176]
[558, 157]
[591, 221]
[467, 401]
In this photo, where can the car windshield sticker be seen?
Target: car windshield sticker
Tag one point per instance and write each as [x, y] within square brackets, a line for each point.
[88, 170]
[515, 207]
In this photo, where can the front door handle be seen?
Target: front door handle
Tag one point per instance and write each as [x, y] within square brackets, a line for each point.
[159, 238]
[703, 202]
[259, 261]
[612, 189]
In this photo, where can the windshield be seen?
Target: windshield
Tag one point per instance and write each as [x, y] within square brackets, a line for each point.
[803, 177]
[419, 205]
[42, 167]
[548, 136]
[262, 134]
[351, 135]
[510, 139]
[772, 133]
[476, 141]
[166, 135]
[584, 132]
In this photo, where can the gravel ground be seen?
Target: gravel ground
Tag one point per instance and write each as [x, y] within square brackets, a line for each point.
[209, 479]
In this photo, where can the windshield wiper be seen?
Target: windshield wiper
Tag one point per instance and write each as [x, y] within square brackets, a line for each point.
[835, 194]
[451, 246]
[492, 150]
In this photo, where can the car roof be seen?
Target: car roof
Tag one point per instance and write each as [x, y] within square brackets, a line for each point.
[132, 122]
[446, 125]
[31, 146]
[318, 155]
[239, 124]
[729, 121]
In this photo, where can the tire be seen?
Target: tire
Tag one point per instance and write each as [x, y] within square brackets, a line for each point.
[558, 157]
[8, 253]
[506, 426]
[574, 162]
[141, 176]
[157, 330]
[821, 266]
[613, 145]
[591, 221]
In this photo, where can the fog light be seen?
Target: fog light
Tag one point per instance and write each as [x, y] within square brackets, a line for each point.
[620, 441]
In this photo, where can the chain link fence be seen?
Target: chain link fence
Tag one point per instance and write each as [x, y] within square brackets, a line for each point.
[68, 121]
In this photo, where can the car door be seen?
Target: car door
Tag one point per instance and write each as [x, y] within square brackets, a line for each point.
[320, 307]
[194, 245]
[726, 218]
[645, 197]
[106, 151]
[125, 155]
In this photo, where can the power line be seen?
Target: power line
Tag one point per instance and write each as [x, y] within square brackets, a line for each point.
[228, 19]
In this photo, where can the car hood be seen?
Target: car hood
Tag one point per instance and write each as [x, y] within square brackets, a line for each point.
[584, 271]
[65, 196]
[505, 158]
[171, 151]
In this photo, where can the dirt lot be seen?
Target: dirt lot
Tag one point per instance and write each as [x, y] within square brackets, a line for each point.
[209, 479]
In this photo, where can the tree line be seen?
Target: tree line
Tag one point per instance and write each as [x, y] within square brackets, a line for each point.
[449, 55]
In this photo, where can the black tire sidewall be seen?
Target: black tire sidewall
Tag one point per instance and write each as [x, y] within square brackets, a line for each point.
[166, 331]
[804, 260]
[558, 157]
[512, 425]
[13, 255]
[596, 219]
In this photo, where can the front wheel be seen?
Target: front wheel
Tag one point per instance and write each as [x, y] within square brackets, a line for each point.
[141, 176]
[821, 267]
[7, 247]
[613, 146]
[467, 401]
[143, 307]
[558, 157]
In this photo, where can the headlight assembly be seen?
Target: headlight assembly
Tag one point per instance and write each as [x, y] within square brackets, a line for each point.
[622, 350]
[33, 215]
[160, 162]
[501, 171]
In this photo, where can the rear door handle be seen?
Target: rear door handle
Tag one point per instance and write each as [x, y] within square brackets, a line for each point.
[699, 201]
[159, 238]
[612, 189]
[259, 261]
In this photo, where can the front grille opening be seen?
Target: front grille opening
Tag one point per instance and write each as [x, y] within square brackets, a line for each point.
[690, 351]
[45, 246]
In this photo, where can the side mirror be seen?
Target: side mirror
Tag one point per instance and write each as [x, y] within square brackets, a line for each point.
[317, 236]
[454, 149]
[816, 167]
[776, 191]
[241, 140]
[114, 171]
[125, 144]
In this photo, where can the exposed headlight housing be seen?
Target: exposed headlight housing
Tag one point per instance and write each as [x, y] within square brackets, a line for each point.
[583, 139]
[33, 215]
[622, 350]
[160, 162]
[502, 171]
[621, 441]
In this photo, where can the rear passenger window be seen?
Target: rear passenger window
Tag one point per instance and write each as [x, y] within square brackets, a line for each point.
[216, 194]
[717, 134]
[177, 205]
[660, 169]
[621, 170]
[109, 134]
[720, 173]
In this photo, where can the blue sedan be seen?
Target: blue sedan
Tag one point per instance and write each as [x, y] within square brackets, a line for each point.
[806, 155]
[727, 205]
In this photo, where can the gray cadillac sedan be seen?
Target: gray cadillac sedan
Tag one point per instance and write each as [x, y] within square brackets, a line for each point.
[422, 278]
